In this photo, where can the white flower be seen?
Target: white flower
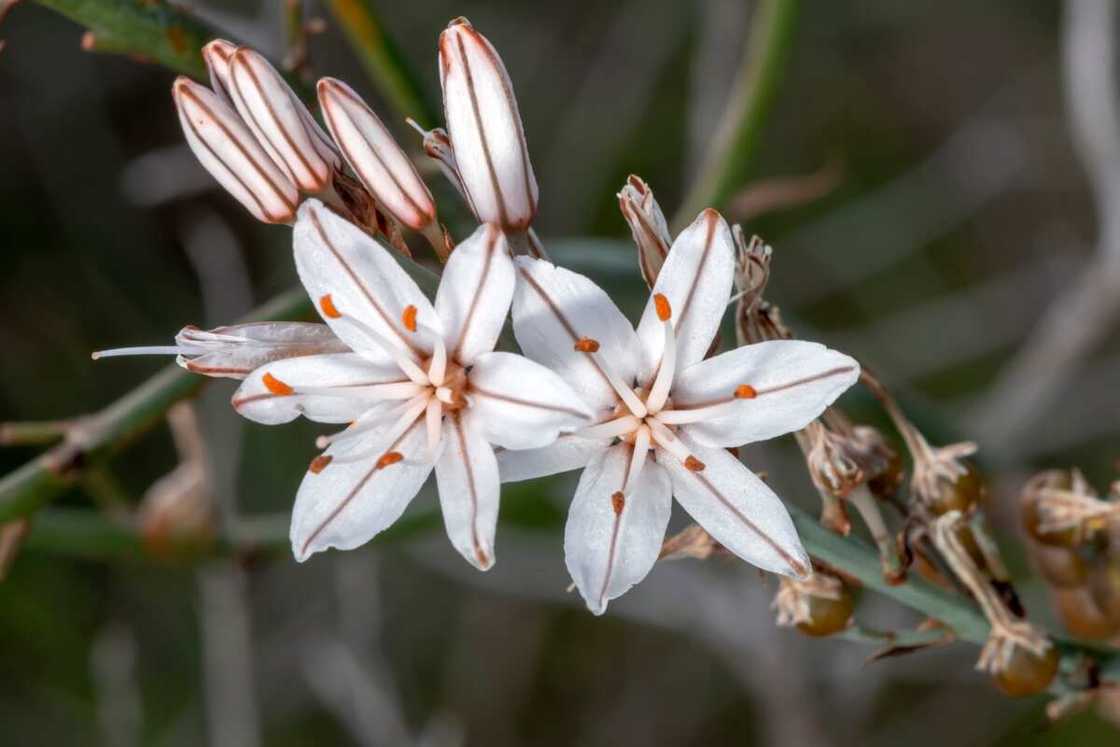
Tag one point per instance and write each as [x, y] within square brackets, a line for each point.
[484, 127]
[235, 351]
[421, 389]
[665, 416]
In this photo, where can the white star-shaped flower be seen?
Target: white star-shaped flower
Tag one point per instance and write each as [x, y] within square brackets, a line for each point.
[665, 416]
[422, 388]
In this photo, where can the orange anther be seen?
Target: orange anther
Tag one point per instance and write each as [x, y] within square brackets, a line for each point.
[328, 307]
[694, 464]
[587, 345]
[277, 387]
[319, 463]
[388, 458]
[664, 310]
[618, 502]
[745, 391]
[408, 317]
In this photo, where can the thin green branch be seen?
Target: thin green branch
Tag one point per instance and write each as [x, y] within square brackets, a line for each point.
[382, 59]
[740, 131]
[155, 30]
[33, 433]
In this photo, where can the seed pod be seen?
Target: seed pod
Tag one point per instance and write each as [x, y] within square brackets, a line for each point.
[1061, 567]
[828, 616]
[1028, 508]
[960, 494]
[886, 483]
[1027, 673]
[1081, 616]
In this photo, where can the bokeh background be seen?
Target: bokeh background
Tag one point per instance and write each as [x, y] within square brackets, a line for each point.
[951, 208]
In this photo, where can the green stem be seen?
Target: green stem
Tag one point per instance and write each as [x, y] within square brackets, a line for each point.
[382, 60]
[156, 30]
[755, 89]
[33, 433]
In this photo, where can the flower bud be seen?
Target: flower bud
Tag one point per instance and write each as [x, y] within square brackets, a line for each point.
[374, 155]
[227, 149]
[485, 128]
[647, 225]
[217, 54]
[280, 122]
[437, 146]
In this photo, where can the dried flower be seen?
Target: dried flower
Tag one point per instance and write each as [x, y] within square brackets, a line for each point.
[653, 390]
[485, 129]
[819, 605]
[235, 351]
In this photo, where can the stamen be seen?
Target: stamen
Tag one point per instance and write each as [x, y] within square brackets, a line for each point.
[666, 440]
[370, 420]
[408, 416]
[637, 458]
[408, 318]
[624, 392]
[659, 392]
[695, 415]
[392, 390]
[326, 303]
[618, 502]
[587, 345]
[319, 463]
[437, 368]
[664, 310]
[147, 350]
[277, 387]
[610, 429]
[433, 418]
[391, 457]
[403, 359]
[745, 391]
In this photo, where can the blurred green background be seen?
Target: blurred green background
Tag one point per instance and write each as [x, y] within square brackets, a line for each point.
[958, 212]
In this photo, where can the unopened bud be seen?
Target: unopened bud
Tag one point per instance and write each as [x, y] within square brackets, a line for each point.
[647, 225]
[437, 146]
[226, 148]
[217, 55]
[374, 155]
[280, 122]
[485, 128]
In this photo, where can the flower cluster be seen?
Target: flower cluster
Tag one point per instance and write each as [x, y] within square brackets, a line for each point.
[648, 413]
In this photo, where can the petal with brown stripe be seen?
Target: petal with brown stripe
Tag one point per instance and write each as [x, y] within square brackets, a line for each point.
[467, 476]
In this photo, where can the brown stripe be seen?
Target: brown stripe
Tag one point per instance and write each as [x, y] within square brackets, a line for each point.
[472, 488]
[354, 491]
[767, 390]
[568, 327]
[390, 321]
[794, 564]
[187, 93]
[492, 237]
[713, 219]
[527, 402]
[503, 211]
[377, 156]
[275, 118]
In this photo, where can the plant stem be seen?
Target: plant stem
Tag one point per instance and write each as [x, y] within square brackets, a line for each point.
[382, 59]
[754, 91]
[156, 30]
[33, 433]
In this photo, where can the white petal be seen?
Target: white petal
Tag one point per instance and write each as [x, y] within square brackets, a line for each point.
[611, 544]
[793, 382]
[264, 400]
[485, 128]
[520, 404]
[335, 258]
[375, 156]
[737, 509]
[345, 504]
[474, 294]
[228, 150]
[564, 454]
[553, 309]
[236, 350]
[696, 279]
[281, 123]
[467, 475]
